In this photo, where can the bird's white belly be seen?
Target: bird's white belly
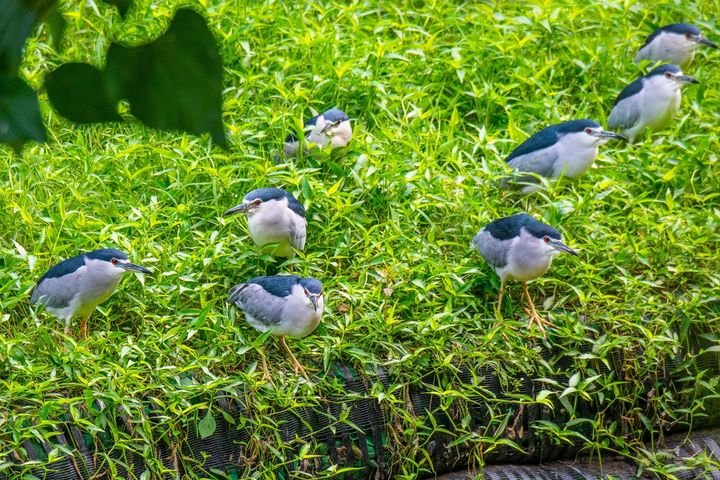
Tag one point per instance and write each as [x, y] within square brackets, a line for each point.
[525, 268]
[264, 232]
[574, 165]
[657, 114]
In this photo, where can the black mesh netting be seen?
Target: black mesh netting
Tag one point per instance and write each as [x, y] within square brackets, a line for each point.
[354, 429]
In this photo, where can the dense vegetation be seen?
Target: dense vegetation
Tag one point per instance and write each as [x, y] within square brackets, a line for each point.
[439, 93]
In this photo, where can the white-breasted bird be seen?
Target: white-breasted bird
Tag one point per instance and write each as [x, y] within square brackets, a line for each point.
[286, 305]
[566, 149]
[521, 248]
[330, 127]
[650, 102]
[74, 287]
[674, 43]
[274, 217]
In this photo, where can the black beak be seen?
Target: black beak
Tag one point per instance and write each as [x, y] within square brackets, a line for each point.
[707, 42]
[314, 300]
[243, 207]
[561, 247]
[135, 268]
[687, 79]
[330, 125]
[616, 136]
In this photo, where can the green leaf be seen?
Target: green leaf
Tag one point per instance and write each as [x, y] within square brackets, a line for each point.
[77, 92]
[207, 425]
[17, 19]
[175, 82]
[19, 114]
[122, 5]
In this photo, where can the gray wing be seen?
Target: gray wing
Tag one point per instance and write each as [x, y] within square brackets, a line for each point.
[255, 301]
[540, 162]
[298, 232]
[625, 114]
[494, 251]
[54, 292]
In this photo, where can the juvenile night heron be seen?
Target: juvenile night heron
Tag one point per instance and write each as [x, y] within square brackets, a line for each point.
[286, 305]
[521, 248]
[566, 149]
[274, 217]
[330, 127]
[74, 287]
[674, 43]
[649, 102]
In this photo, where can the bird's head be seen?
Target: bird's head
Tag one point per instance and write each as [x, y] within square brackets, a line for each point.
[312, 289]
[553, 245]
[687, 36]
[116, 261]
[592, 132]
[671, 75]
[332, 122]
[260, 199]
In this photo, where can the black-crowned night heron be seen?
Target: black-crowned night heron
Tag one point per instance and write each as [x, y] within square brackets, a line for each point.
[674, 43]
[566, 149]
[650, 101]
[330, 127]
[521, 248]
[74, 287]
[285, 305]
[274, 217]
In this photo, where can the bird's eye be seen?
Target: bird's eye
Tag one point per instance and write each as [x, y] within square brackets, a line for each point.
[114, 261]
[588, 131]
[687, 35]
[306, 292]
[258, 202]
[668, 75]
[546, 239]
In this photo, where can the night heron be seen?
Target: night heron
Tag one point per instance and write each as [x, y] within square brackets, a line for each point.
[566, 149]
[521, 248]
[274, 217]
[331, 127]
[74, 287]
[285, 305]
[674, 43]
[650, 101]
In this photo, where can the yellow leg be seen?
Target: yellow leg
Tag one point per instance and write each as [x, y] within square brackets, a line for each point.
[534, 317]
[66, 330]
[299, 369]
[500, 295]
[83, 328]
[264, 367]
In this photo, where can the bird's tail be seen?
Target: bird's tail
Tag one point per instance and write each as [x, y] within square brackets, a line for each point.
[235, 294]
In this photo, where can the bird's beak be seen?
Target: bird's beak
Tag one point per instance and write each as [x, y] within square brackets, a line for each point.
[617, 136]
[561, 247]
[314, 300]
[329, 125]
[686, 78]
[242, 208]
[707, 42]
[135, 268]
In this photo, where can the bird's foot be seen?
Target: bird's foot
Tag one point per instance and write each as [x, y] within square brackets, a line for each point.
[537, 320]
[299, 369]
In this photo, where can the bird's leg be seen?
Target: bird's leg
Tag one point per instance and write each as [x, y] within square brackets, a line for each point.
[299, 369]
[264, 367]
[534, 317]
[500, 295]
[83, 327]
[66, 330]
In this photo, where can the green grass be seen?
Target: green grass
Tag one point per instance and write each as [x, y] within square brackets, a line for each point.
[439, 93]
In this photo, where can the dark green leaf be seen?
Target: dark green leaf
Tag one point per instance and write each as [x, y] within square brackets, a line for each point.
[19, 113]
[206, 426]
[174, 82]
[122, 5]
[56, 25]
[77, 91]
[17, 18]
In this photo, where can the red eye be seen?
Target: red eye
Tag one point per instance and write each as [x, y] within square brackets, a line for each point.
[588, 131]
[306, 292]
[114, 261]
[687, 35]
[668, 75]
[546, 239]
[258, 201]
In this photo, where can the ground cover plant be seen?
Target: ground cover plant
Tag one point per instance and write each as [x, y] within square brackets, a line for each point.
[439, 93]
